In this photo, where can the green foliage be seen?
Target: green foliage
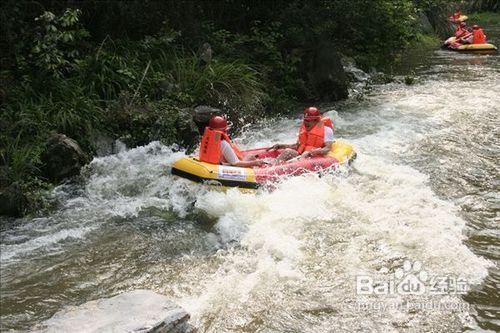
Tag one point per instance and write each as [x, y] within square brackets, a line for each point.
[375, 31]
[429, 5]
[423, 41]
[485, 18]
[67, 110]
[261, 47]
[233, 85]
[55, 45]
[106, 74]
[22, 159]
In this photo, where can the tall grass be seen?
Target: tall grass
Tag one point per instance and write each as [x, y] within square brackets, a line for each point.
[69, 110]
[22, 159]
[232, 84]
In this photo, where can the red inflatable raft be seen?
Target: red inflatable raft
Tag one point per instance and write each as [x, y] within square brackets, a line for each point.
[224, 175]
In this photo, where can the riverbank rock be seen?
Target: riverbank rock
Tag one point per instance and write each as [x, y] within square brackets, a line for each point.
[353, 73]
[202, 114]
[63, 158]
[140, 311]
[425, 23]
[187, 129]
[103, 144]
[204, 54]
[12, 200]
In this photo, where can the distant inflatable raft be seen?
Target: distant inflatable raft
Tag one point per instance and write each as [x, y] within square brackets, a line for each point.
[476, 47]
[468, 47]
[223, 175]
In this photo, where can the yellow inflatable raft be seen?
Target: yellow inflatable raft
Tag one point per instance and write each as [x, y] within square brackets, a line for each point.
[223, 175]
[449, 43]
[476, 47]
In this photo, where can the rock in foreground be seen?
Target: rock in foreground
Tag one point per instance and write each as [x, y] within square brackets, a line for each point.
[63, 158]
[136, 311]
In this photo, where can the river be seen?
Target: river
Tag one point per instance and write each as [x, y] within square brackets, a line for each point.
[420, 201]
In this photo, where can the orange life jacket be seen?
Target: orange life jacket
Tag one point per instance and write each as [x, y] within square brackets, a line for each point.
[210, 149]
[479, 37]
[328, 122]
[314, 138]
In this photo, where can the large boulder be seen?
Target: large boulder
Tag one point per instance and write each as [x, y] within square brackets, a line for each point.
[12, 200]
[141, 311]
[326, 74]
[202, 114]
[63, 158]
[204, 54]
[187, 129]
[104, 145]
[425, 23]
[353, 73]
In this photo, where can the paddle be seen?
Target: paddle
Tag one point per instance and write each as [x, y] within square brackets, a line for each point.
[294, 159]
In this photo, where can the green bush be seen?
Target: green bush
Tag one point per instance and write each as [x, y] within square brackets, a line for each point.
[21, 159]
[55, 46]
[233, 85]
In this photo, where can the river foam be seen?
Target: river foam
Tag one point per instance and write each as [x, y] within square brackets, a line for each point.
[312, 231]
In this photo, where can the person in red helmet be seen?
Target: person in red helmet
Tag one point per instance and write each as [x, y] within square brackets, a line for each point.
[216, 146]
[456, 16]
[478, 36]
[315, 137]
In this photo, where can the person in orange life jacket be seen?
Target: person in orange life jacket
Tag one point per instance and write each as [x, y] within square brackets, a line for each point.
[478, 35]
[460, 30]
[315, 137]
[216, 146]
[463, 34]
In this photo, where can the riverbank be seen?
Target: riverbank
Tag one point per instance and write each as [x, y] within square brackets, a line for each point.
[80, 78]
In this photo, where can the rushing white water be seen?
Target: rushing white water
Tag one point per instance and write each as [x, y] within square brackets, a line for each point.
[320, 233]
[285, 260]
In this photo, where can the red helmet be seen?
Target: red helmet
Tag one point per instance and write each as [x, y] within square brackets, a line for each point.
[475, 26]
[217, 122]
[312, 113]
